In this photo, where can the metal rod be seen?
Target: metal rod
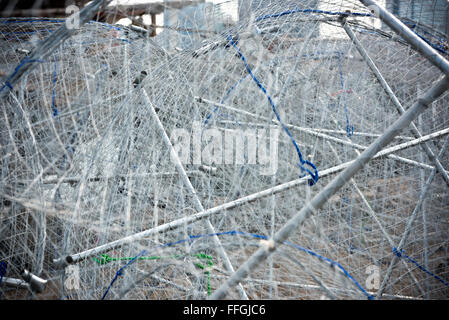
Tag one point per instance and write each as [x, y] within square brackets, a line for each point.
[326, 193]
[341, 132]
[393, 98]
[314, 287]
[16, 283]
[410, 222]
[417, 141]
[190, 188]
[200, 215]
[373, 215]
[47, 46]
[413, 39]
[111, 177]
[424, 221]
[322, 135]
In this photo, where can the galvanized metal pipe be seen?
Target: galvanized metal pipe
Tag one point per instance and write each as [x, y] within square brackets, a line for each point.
[409, 36]
[50, 44]
[316, 133]
[412, 218]
[185, 179]
[321, 198]
[393, 98]
[75, 258]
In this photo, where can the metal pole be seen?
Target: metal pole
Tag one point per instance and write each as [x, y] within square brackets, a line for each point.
[190, 188]
[315, 287]
[402, 30]
[410, 223]
[373, 215]
[322, 135]
[340, 132]
[167, 32]
[393, 98]
[321, 198]
[424, 222]
[47, 46]
[16, 283]
[60, 263]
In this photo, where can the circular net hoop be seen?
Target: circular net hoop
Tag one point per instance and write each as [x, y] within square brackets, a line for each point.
[260, 118]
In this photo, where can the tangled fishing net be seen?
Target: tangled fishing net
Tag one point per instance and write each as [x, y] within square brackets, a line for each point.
[113, 135]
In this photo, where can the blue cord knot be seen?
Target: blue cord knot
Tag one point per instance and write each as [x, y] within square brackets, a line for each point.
[314, 175]
[397, 252]
[350, 130]
[232, 40]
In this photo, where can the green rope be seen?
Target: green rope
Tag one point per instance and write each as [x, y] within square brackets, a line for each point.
[105, 259]
[210, 264]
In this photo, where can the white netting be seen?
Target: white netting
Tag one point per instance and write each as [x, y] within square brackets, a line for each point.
[84, 160]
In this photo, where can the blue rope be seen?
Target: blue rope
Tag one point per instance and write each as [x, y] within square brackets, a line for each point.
[226, 95]
[333, 263]
[438, 47]
[349, 127]
[314, 175]
[24, 61]
[2, 273]
[332, 13]
[53, 105]
[119, 273]
[258, 236]
[106, 25]
[401, 254]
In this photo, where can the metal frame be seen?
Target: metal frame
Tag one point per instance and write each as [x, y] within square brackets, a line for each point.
[190, 188]
[326, 193]
[408, 35]
[393, 97]
[319, 134]
[49, 45]
[75, 258]
[412, 219]
[320, 199]
[349, 168]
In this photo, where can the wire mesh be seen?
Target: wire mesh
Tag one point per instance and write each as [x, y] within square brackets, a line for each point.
[261, 116]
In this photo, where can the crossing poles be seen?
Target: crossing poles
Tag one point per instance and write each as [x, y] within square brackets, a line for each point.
[321, 198]
[50, 44]
[393, 98]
